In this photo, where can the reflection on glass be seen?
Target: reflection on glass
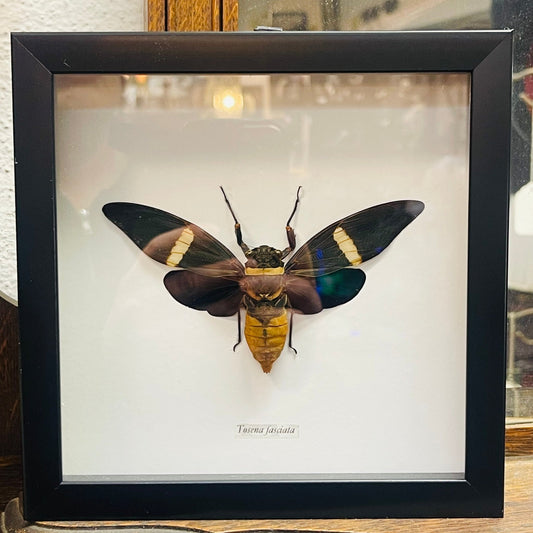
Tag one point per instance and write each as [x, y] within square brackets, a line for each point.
[367, 15]
[227, 98]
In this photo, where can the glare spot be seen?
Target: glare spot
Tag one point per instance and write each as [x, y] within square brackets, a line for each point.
[228, 101]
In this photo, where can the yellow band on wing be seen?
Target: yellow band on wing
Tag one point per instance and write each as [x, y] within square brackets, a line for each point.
[274, 271]
[180, 247]
[347, 246]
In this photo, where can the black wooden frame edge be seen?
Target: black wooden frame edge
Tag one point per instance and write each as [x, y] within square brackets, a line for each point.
[486, 315]
[34, 154]
[264, 52]
[37, 57]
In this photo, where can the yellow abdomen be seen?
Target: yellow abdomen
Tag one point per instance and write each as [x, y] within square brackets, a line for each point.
[266, 341]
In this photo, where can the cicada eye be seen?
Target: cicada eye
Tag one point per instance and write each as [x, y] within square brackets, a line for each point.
[278, 253]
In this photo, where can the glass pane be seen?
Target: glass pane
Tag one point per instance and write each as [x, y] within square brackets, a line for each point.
[169, 142]
[446, 15]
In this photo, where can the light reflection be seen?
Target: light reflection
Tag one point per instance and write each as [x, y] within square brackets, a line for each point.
[228, 101]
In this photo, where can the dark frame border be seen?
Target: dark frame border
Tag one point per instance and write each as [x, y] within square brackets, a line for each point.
[486, 55]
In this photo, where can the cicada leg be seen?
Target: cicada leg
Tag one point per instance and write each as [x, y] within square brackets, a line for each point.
[238, 232]
[290, 334]
[290, 232]
[239, 338]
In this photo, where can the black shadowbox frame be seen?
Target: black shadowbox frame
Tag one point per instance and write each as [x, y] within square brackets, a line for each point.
[37, 58]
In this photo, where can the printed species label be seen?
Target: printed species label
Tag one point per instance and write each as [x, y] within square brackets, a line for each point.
[268, 431]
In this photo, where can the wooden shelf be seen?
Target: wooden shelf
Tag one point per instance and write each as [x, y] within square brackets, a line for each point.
[518, 517]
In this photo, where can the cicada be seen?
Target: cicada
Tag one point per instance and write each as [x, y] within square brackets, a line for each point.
[208, 277]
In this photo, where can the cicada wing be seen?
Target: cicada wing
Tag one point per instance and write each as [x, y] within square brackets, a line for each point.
[173, 241]
[354, 239]
[310, 295]
[302, 294]
[217, 296]
[339, 287]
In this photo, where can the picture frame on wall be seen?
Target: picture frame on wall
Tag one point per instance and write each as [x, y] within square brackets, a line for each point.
[262, 275]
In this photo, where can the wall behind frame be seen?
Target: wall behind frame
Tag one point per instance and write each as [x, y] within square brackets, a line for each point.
[35, 15]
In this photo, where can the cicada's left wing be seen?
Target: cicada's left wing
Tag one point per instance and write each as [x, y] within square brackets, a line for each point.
[354, 239]
[174, 241]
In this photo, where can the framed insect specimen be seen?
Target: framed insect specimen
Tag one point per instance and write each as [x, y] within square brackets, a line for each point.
[267, 180]
[212, 279]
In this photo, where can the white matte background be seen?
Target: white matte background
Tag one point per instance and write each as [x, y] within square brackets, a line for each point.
[150, 387]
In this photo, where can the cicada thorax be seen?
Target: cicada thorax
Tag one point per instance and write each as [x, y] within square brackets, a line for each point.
[265, 301]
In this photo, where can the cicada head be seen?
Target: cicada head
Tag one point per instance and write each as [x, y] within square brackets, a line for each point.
[264, 257]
